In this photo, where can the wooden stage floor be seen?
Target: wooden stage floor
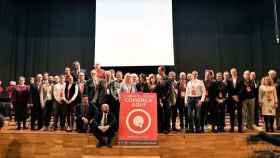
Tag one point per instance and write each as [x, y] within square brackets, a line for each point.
[39, 144]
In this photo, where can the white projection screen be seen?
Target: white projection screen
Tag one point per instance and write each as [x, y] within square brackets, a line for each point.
[134, 33]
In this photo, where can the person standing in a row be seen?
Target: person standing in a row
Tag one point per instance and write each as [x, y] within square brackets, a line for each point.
[71, 94]
[60, 106]
[234, 88]
[164, 87]
[20, 98]
[195, 96]
[46, 94]
[36, 109]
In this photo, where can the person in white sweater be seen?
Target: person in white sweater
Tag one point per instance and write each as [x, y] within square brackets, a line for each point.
[59, 103]
[268, 102]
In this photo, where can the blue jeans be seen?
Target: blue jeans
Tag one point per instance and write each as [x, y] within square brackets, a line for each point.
[194, 107]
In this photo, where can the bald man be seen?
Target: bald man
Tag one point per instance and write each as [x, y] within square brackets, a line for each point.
[104, 126]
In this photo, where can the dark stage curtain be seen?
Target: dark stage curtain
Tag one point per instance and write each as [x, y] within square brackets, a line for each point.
[46, 35]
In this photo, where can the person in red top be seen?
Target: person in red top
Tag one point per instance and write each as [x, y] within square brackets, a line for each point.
[100, 71]
[20, 97]
[1, 88]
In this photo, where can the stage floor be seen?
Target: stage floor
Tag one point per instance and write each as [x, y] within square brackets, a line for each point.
[39, 144]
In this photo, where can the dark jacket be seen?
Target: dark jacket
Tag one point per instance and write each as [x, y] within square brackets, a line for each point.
[142, 87]
[111, 120]
[92, 91]
[35, 95]
[220, 90]
[164, 89]
[247, 90]
[234, 90]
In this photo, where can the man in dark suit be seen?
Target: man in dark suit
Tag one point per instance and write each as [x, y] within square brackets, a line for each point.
[257, 107]
[234, 90]
[36, 109]
[108, 93]
[92, 88]
[104, 126]
[164, 87]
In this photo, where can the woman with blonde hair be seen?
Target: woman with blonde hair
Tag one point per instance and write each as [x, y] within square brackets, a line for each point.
[268, 102]
[127, 86]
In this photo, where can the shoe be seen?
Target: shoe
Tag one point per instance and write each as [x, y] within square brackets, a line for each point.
[99, 145]
[231, 130]
[240, 131]
[166, 132]
[18, 128]
[222, 130]
[109, 145]
[175, 129]
[68, 129]
[44, 129]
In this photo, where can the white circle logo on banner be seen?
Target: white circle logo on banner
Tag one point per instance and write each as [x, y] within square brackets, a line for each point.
[138, 121]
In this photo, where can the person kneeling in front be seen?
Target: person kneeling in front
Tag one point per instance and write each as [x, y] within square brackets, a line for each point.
[104, 127]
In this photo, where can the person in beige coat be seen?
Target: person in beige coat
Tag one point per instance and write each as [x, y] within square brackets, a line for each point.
[268, 102]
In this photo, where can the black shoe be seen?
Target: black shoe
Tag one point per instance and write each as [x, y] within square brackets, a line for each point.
[222, 130]
[109, 145]
[166, 132]
[18, 128]
[175, 129]
[99, 145]
[231, 130]
[240, 131]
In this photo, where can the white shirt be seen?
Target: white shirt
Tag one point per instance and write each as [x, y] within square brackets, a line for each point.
[195, 88]
[59, 92]
[234, 82]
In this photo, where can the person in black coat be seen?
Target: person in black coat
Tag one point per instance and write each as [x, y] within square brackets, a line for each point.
[104, 126]
[219, 103]
[36, 109]
[164, 86]
[209, 103]
[234, 91]
[92, 87]
[142, 85]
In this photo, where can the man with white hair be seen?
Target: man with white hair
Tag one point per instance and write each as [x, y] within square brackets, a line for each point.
[104, 126]
[182, 84]
[273, 75]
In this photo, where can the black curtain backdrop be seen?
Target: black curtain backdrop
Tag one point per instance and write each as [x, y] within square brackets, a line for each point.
[46, 35]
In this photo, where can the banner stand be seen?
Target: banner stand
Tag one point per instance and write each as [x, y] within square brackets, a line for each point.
[138, 120]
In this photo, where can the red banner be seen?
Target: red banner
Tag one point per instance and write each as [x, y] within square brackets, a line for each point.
[138, 117]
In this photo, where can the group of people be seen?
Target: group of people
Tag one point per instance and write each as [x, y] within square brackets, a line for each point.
[90, 102]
